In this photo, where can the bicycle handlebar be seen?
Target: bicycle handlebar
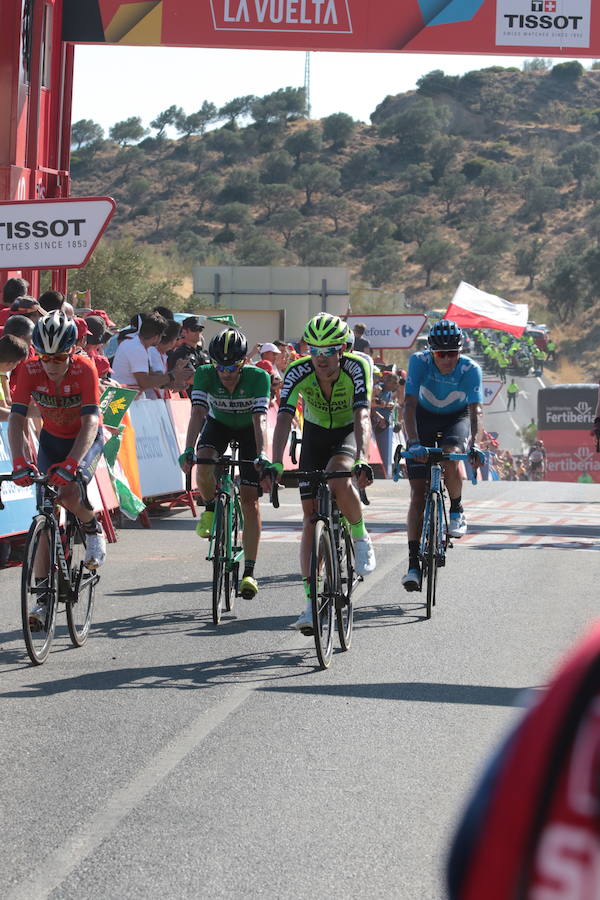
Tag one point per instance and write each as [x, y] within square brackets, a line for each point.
[434, 455]
[294, 441]
[44, 479]
[320, 474]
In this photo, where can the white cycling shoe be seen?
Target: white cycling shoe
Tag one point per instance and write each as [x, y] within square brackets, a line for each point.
[304, 622]
[457, 525]
[95, 550]
[365, 555]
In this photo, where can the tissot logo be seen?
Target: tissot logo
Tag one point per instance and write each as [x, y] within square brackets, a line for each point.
[282, 15]
[543, 23]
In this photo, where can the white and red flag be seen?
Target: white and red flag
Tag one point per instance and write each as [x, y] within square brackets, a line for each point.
[472, 308]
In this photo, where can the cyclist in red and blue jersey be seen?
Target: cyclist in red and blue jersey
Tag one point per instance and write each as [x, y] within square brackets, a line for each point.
[443, 395]
[66, 389]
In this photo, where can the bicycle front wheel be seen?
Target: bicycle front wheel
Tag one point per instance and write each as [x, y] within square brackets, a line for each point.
[219, 556]
[343, 605]
[430, 563]
[232, 571]
[322, 587]
[39, 596]
[82, 586]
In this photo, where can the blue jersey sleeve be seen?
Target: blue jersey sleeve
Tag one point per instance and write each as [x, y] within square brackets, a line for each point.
[474, 384]
[416, 370]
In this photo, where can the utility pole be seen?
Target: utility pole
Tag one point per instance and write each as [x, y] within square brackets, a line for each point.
[307, 81]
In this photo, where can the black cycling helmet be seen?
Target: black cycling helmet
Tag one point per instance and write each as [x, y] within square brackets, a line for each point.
[228, 347]
[445, 335]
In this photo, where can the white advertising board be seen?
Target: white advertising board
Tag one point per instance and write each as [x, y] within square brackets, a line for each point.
[52, 234]
[156, 449]
[491, 389]
[543, 23]
[390, 331]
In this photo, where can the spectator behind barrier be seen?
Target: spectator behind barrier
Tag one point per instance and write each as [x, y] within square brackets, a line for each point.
[51, 300]
[159, 355]
[96, 339]
[13, 350]
[12, 290]
[21, 327]
[131, 365]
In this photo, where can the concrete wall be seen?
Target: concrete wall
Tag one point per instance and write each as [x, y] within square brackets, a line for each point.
[268, 288]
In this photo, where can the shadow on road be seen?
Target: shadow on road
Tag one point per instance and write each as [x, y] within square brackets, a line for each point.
[418, 692]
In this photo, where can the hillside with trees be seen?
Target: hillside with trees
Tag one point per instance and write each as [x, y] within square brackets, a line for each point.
[492, 177]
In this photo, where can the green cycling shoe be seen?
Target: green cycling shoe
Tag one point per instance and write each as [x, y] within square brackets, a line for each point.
[248, 587]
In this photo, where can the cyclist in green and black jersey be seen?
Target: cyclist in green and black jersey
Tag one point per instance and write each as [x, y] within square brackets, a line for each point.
[229, 402]
[336, 391]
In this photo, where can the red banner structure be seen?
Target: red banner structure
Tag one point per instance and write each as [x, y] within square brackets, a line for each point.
[531, 27]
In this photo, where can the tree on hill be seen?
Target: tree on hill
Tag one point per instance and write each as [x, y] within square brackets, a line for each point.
[236, 109]
[279, 107]
[382, 265]
[450, 188]
[229, 143]
[333, 207]
[277, 167]
[528, 261]
[565, 285]
[304, 142]
[206, 187]
[443, 151]
[286, 222]
[582, 158]
[496, 178]
[257, 249]
[85, 131]
[316, 178]
[539, 199]
[434, 254]
[371, 232]
[240, 187]
[317, 249]
[129, 131]
[338, 128]
[273, 197]
[416, 127]
[167, 117]
[196, 122]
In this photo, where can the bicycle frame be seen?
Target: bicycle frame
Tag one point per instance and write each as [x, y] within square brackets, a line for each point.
[435, 488]
[226, 489]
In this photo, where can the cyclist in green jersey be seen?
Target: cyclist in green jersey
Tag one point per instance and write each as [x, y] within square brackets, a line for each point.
[336, 391]
[229, 402]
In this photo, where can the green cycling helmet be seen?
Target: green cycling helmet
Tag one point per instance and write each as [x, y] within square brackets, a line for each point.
[325, 330]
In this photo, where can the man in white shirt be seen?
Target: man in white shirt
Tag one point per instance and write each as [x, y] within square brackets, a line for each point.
[132, 366]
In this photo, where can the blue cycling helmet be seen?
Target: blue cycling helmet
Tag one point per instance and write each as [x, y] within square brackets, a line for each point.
[445, 335]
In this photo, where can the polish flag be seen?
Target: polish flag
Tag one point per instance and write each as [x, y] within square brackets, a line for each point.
[472, 308]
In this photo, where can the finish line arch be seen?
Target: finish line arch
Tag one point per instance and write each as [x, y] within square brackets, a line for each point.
[37, 39]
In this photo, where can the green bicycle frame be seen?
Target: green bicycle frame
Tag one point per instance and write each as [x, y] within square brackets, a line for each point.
[227, 489]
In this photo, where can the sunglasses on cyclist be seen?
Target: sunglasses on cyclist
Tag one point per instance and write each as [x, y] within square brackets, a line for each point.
[325, 351]
[442, 354]
[53, 357]
[234, 368]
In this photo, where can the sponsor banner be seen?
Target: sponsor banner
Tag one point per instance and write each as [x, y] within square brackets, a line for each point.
[390, 332]
[156, 449]
[543, 23]
[460, 26]
[48, 234]
[114, 403]
[567, 407]
[570, 456]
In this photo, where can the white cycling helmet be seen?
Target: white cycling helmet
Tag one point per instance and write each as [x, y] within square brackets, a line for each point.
[54, 333]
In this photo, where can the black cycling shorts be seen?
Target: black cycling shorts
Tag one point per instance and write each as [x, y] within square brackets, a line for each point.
[318, 446]
[455, 429]
[54, 449]
[217, 436]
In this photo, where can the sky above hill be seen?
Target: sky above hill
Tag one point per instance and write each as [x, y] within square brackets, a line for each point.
[113, 83]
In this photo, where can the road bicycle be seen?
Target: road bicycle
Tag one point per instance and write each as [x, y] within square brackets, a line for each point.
[435, 540]
[68, 582]
[332, 570]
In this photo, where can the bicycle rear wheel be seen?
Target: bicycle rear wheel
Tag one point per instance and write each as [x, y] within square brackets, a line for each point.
[430, 563]
[232, 571]
[322, 586]
[218, 594]
[343, 604]
[41, 595]
[80, 602]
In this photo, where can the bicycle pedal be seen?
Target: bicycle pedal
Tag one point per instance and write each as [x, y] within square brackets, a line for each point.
[308, 631]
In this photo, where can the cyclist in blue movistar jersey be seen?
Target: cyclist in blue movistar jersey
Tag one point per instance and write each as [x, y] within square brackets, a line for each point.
[443, 395]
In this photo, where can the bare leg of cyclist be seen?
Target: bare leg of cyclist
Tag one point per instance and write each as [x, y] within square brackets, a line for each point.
[414, 525]
[250, 539]
[304, 622]
[207, 485]
[348, 501]
[69, 496]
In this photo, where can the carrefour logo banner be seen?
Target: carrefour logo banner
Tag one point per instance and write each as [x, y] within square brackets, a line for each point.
[461, 26]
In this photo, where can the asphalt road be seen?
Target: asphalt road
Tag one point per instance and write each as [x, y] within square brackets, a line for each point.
[169, 758]
[507, 423]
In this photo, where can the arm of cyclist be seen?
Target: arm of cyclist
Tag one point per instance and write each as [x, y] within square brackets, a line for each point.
[62, 473]
[362, 433]
[418, 452]
[280, 438]
[196, 424]
[476, 417]
[23, 468]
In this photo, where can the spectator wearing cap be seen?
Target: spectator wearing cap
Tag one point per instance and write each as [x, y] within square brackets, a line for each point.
[13, 350]
[82, 335]
[97, 337]
[191, 349]
[27, 306]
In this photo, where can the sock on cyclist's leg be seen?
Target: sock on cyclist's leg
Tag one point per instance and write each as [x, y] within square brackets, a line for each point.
[456, 505]
[249, 568]
[210, 505]
[413, 555]
[307, 597]
[91, 527]
[358, 529]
